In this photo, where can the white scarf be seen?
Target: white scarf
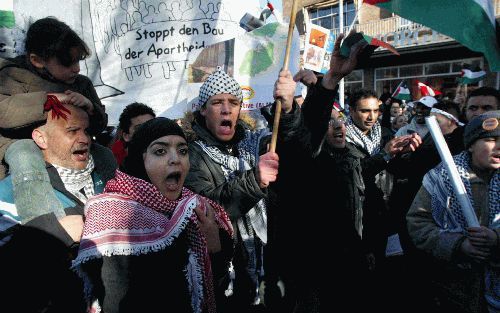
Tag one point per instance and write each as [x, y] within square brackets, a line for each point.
[74, 180]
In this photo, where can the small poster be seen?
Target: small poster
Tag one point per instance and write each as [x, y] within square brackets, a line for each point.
[315, 47]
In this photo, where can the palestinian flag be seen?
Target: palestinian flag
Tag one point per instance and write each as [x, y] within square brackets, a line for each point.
[402, 92]
[351, 40]
[470, 77]
[7, 13]
[379, 43]
[470, 22]
[426, 90]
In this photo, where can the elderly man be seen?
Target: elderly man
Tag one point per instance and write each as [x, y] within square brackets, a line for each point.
[229, 165]
[37, 246]
[466, 266]
[482, 100]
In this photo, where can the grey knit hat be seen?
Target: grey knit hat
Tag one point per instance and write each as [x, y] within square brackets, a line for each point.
[482, 126]
[218, 83]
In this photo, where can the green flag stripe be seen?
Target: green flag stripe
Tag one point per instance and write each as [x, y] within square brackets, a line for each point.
[7, 19]
[465, 21]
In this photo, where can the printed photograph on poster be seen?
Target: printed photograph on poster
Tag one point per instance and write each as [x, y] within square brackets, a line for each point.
[317, 39]
[219, 54]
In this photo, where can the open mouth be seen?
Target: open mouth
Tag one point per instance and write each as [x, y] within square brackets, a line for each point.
[226, 123]
[81, 154]
[173, 180]
[226, 126]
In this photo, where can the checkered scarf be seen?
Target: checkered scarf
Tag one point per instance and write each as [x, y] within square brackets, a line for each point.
[132, 217]
[218, 83]
[448, 215]
[253, 225]
[445, 206]
[76, 180]
[370, 142]
[256, 219]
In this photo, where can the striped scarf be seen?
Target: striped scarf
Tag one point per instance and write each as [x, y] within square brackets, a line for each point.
[369, 142]
[132, 217]
[447, 212]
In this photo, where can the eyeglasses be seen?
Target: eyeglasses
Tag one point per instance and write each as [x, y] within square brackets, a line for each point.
[336, 121]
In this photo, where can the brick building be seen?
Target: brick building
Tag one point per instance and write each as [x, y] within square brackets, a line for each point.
[426, 55]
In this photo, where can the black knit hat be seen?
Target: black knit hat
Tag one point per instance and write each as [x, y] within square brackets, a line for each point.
[142, 138]
[482, 126]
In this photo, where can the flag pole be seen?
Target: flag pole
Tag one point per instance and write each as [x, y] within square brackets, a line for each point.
[395, 90]
[277, 111]
[341, 25]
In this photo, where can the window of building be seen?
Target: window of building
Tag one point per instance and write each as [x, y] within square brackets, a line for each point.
[410, 71]
[328, 17]
[440, 75]
[353, 81]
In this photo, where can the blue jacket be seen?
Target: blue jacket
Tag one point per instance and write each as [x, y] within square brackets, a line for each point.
[10, 219]
[35, 257]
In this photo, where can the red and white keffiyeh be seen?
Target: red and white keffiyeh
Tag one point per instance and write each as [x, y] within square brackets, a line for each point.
[132, 217]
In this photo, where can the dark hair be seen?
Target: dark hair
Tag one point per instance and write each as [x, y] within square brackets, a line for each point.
[48, 37]
[394, 100]
[360, 95]
[485, 91]
[449, 107]
[133, 110]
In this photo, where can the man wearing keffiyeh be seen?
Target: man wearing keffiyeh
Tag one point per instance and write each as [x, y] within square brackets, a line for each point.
[374, 146]
[229, 164]
[465, 269]
[36, 246]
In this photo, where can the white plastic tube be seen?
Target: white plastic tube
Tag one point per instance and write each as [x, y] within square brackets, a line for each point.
[456, 181]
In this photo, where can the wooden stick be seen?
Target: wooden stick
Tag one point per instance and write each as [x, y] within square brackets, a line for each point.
[277, 112]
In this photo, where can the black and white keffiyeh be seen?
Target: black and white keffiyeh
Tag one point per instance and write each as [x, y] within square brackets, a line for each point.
[218, 83]
[254, 223]
[449, 217]
[248, 149]
[369, 142]
[76, 180]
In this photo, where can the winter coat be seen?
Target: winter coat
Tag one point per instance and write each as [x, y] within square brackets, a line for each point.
[318, 192]
[36, 257]
[375, 223]
[23, 93]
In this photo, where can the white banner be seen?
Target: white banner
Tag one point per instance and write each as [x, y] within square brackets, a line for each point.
[140, 48]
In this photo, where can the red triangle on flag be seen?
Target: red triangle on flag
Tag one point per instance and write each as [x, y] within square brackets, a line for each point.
[379, 43]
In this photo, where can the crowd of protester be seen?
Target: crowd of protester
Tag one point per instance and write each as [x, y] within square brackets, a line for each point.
[197, 215]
